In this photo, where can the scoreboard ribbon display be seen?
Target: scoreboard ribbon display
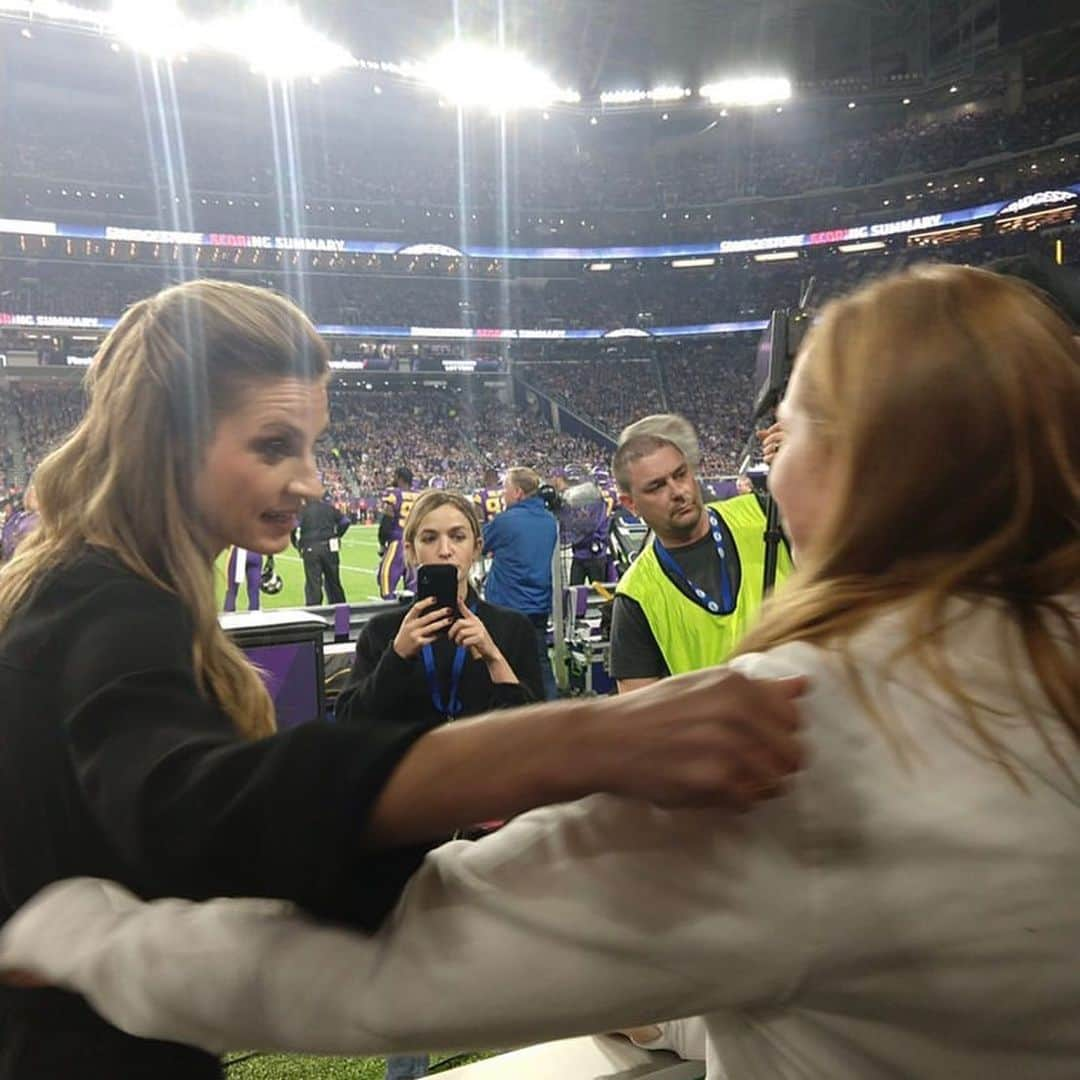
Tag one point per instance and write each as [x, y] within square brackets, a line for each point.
[1060, 196]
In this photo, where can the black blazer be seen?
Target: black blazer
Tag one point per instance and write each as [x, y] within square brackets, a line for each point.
[115, 765]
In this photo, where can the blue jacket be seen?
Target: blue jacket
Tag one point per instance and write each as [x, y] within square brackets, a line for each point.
[522, 540]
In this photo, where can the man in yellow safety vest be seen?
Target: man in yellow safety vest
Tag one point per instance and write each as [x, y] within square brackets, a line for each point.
[696, 586]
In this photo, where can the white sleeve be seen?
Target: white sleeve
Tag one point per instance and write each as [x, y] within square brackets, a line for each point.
[573, 919]
[578, 919]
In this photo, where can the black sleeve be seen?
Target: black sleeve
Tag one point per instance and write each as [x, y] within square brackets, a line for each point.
[634, 651]
[343, 524]
[386, 529]
[380, 679]
[198, 811]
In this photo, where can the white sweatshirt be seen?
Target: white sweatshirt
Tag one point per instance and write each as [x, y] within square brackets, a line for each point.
[882, 920]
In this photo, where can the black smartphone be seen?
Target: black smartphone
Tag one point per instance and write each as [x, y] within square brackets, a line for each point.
[441, 581]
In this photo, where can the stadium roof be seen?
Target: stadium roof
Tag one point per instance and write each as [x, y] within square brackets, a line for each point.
[595, 46]
[600, 45]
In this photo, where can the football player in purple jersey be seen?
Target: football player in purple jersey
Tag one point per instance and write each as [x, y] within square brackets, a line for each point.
[397, 503]
[489, 499]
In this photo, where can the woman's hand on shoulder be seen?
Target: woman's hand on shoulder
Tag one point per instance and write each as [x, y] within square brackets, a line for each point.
[710, 738]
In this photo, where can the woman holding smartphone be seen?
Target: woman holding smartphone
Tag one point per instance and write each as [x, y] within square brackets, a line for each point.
[450, 654]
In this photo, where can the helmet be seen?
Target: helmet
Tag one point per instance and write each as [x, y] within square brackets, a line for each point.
[272, 586]
[270, 582]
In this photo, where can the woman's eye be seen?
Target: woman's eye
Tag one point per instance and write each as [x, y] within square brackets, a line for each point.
[275, 449]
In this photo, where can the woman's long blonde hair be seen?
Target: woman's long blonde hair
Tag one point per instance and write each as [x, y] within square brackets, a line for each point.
[949, 399]
[124, 479]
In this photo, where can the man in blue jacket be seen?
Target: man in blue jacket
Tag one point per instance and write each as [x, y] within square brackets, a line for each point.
[521, 541]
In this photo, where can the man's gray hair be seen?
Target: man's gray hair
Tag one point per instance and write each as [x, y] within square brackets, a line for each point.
[650, 434]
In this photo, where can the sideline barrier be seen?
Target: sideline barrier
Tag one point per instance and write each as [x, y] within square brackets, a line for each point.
[589, 1057]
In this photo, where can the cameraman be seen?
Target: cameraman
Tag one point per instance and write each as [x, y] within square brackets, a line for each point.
[521, 542]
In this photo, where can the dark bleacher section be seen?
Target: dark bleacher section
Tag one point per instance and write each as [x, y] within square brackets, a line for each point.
[569, 184]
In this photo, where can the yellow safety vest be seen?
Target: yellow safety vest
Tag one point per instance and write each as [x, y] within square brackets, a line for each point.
[689, 636]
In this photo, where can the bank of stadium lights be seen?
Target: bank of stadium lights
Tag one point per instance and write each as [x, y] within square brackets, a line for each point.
[275, 41]
[156, 27]
[55, 11]
[749, 91]
[270, 36]
[469, 74]
[658, 94]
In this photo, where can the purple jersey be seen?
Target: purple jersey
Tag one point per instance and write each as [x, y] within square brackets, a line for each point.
[16, 527]
[488, 502]
[398, 503]
[595, 543]
[611, 495]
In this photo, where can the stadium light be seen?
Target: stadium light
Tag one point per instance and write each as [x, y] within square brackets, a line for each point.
[56, 10]
[599, 266]
[156, 27]
[668, 93]
[273, 39]
[270, 36]
[776, 256]
[470, 74]
[622, 97]
[753, 91]
[691, 264]
[634, 97]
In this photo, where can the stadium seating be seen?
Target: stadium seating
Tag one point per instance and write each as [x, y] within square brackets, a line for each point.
[372, 180]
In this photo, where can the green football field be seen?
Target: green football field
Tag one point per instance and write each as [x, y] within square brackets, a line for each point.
[359, 564]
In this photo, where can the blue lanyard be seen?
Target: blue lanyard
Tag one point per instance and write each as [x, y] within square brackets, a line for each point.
[726, 605]
[453, 706]
[452, 709]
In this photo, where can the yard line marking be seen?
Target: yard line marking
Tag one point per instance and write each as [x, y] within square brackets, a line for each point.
[354, 569]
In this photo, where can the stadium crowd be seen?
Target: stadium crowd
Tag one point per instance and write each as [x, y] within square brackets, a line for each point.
[448, 437]
[608, 393]
[46, 414]
[565, 187]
